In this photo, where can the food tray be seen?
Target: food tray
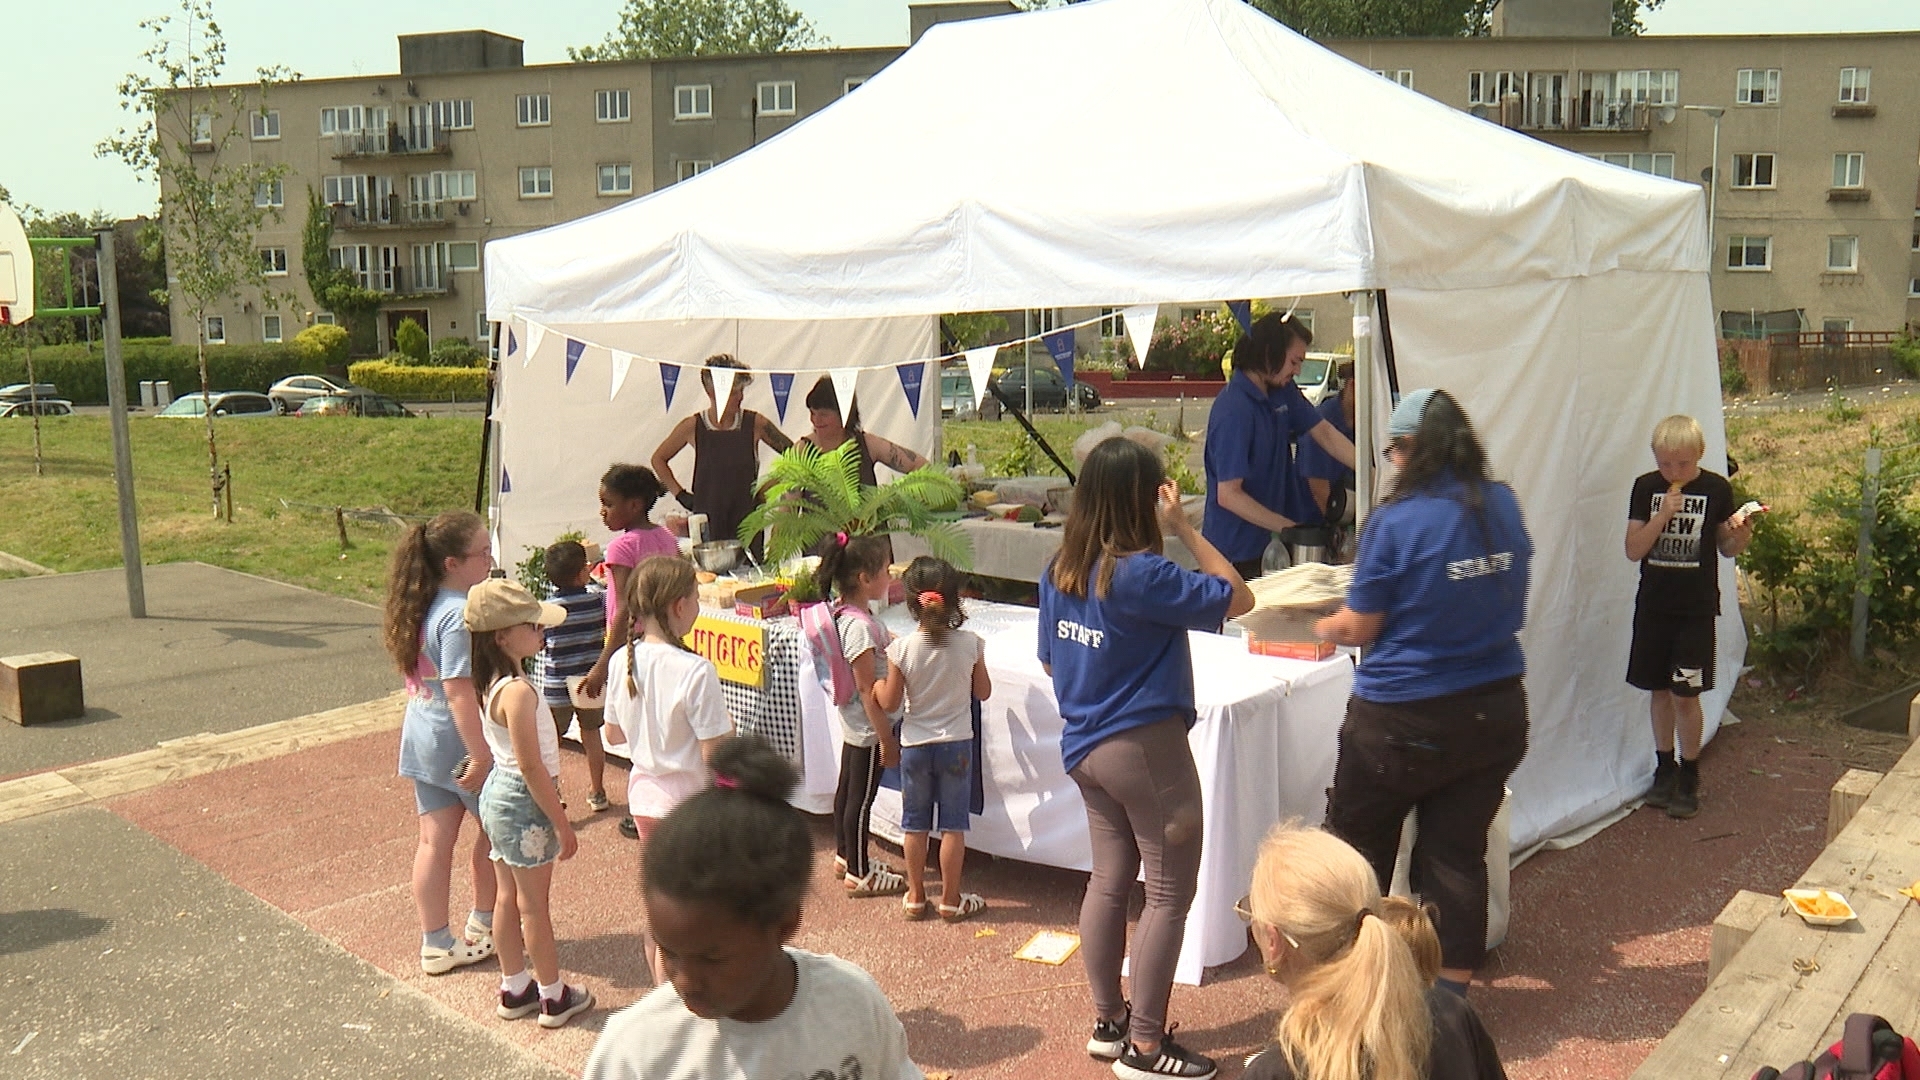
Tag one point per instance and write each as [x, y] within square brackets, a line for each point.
[1798, 898]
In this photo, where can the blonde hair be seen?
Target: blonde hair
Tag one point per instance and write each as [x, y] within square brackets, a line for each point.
[1414, 923]
[1679, 432]
[652, 589]
[1358, 1009]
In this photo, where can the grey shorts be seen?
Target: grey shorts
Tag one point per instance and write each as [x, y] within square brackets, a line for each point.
[521, 835]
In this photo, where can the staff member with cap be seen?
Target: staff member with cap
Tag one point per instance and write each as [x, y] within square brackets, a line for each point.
[1438, 717]
[1252, 490]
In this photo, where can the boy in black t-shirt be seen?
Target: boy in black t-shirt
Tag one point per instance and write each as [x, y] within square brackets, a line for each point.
[1679, 516]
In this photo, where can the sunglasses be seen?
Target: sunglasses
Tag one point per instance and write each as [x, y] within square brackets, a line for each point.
[1244, 908]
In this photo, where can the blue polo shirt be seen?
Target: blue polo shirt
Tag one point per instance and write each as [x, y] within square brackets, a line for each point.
[1250, 438]
[1454, 595]
[1313, 462]
[1123, 662]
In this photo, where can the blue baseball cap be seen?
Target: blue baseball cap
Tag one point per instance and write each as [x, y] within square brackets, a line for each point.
[1408, 414]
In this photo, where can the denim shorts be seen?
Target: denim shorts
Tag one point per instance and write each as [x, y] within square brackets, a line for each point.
[936, 775]
[521, 835]
[428, 798]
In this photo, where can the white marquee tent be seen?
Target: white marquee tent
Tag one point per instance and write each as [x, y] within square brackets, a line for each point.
[1564, 301]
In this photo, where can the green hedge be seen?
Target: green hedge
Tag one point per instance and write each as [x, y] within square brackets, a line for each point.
[411, 383]
[81, 373]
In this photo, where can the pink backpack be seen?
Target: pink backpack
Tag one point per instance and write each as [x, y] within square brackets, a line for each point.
[819, 624]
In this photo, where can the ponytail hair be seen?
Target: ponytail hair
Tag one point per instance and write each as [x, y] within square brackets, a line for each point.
[1358, 1006]
[737, 845]
[1414, 923]
[933, 596]
[491, 663]
[651, 591]
[413, 577]
[634, 482]
[844, 560]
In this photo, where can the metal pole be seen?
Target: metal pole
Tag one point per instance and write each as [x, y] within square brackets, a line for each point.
[1713, 188]
[1029, 350]
[1863, 556]
[117, 415]
[1363, 410]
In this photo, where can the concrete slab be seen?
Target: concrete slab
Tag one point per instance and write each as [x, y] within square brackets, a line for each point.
[219, 651]
[145, 963]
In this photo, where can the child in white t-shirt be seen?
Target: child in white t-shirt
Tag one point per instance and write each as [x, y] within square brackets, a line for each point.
[938, 670]
[663, 702]
[724, 875]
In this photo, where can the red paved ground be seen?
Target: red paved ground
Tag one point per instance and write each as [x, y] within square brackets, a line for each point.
[1609, 944]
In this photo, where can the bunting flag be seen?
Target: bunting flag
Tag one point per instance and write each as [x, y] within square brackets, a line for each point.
[506, 482]
[513, 343]
[669, 378]
[722, 385]
[1060, 346]
[622, 363]
[845, 380]
[1242, 314]
[980, 369]
[1140, 321]
[535, 335]
[782, 390]
[912, 376]
[574, 351]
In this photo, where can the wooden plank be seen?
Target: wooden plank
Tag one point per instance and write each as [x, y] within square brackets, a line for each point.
[37, 794]
[1736, 924]
[1888, 988]
[1848, 794]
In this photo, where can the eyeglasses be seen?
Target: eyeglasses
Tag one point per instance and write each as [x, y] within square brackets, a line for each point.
[485, 552]
[1244, 908]
[1386, 452]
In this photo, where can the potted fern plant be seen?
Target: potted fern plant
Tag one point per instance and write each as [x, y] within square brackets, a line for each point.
[810, 495]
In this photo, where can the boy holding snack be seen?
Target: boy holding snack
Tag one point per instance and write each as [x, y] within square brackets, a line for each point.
[1680, 519]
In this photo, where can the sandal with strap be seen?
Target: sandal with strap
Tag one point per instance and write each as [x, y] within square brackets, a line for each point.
[879, 881]
[912, 911]
[970, 904]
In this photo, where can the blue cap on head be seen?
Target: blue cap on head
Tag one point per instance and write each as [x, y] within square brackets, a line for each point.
[1407, 415]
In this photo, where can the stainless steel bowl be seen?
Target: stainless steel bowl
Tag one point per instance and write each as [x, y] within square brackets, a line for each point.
[717, 556]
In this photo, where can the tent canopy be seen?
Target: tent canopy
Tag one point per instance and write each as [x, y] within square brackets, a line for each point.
[959, 179]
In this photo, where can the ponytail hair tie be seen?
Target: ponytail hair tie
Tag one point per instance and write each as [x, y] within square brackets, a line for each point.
[1361, 918]
[840, 538]
[931, 598]
[725, 781]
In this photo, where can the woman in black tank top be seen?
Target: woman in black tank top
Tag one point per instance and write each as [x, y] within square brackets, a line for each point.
[726, 454]
[830, 431]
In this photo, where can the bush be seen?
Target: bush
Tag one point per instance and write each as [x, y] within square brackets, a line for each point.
[411, 340]
[322, 345]
[455, 352]
[81, 373]
[410, 382]
[1193, 346]
[1733, 378]
[1905, 351]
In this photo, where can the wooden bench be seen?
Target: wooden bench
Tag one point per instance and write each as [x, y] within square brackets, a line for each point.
[1787, 992]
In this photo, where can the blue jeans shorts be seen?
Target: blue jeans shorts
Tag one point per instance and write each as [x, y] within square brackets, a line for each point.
[428, 798]
[521, 835]
[936, 775]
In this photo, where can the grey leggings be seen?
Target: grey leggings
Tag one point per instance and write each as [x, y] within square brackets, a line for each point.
[1143, 806]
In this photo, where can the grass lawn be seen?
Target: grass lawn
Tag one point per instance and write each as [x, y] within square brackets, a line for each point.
[66, 520]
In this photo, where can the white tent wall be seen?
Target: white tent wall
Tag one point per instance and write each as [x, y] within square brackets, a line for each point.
[1564, 381]
[558, 435]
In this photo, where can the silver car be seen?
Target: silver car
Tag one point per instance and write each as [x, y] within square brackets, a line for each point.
[225, 403]
[293, 391]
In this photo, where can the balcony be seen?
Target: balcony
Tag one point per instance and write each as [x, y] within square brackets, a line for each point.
[1849, 194]
[1849, 110]
[1600, 113]
[410, 281]
[395, 141]
[1590, 113]
[392, 213]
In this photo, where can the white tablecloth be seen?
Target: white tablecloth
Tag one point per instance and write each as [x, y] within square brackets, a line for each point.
[1264, 747]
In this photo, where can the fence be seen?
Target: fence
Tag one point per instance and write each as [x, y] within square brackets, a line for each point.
[1813, 360]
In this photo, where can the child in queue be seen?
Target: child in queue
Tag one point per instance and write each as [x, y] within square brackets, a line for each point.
[856, 568]
[520, 805]
[723, 876]
[663, 702]
[627, 496]
[571, 650]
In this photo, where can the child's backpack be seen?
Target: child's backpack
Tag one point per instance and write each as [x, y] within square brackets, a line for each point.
[1869, 1049]
[819, 624]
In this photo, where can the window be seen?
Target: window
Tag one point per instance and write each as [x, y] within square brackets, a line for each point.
[848, 86]
[612, 106]
[1112, 323]
[463, 255]
[372, 267]
[1652, 164]
[434, 187]
[1646, 87]
[536, 182]
[269, 328]
[343, 119]
[270, 193]
[1913, 287]
[266, 125]
[203, 130]
[1848, 170]
[1403, 76]
[1836, 326]
[1916, 230]
[273, 261]
[343, 190]
[1749, 252]
[1853, 85]
[776, 98]
[616, 179]
[1753, 170]
[536, 110]
[691, 169]
[216, 330]
[1757, 86]
[693, 102]
[429, 261]
[1843, 254]
[453, 115]
[324, 318]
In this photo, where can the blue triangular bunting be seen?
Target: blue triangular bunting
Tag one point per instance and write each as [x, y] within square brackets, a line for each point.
[912, 376]
[513, 343]
[782, 382]
[574, 349]
[669, 379]
[1060, 347]
[1242, 314]
[506, 482]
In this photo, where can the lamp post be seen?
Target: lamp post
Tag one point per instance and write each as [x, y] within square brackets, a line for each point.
[1713, 172]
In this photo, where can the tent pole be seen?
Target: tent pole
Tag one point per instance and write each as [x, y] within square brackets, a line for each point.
[1363, 412]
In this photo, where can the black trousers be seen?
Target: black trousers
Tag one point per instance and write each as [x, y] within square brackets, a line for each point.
[1448, 758]
[853, 805]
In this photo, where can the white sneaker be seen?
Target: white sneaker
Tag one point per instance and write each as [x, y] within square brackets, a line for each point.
[440, 961]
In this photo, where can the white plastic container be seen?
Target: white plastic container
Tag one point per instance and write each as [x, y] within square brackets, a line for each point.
[580, 700]
[1797, 897]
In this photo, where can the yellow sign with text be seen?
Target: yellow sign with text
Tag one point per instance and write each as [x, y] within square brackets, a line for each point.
[739, 650]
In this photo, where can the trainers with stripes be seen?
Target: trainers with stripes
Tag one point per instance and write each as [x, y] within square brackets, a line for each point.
[1109, 1039]
[1171, 1059]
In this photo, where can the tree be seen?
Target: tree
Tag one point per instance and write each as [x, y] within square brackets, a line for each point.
[336, 288]
[211, 210]
[657, 28]
[1416, 18]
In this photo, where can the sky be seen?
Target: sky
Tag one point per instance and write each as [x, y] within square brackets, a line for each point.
[64, 59]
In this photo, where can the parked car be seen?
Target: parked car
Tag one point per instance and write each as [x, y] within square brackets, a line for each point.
[956, 391]
[1049, 389]
[293, 391]
[354, 402]
[238, 403]
[44, 406]
[1318, 378]
[23, 391]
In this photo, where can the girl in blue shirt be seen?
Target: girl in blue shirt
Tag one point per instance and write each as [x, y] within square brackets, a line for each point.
[1438, 717]
[1114, 616]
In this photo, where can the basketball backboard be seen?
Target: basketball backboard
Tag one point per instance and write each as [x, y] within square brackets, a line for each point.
[16, 269]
